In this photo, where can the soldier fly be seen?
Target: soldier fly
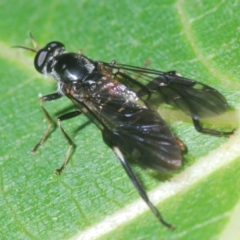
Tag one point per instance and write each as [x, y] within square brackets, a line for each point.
[121, 99]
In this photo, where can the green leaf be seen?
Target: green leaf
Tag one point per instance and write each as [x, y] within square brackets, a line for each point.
[93, 198]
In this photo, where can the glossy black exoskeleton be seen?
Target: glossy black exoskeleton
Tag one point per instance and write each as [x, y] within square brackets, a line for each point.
[121, 100]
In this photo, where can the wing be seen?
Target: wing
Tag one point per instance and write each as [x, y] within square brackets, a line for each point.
[155, 87]
[139, 132]
[195, 99]
[148, 141]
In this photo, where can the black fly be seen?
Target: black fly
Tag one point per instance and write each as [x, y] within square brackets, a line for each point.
[121, 101]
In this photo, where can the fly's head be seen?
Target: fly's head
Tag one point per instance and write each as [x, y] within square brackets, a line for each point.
[74, 73]
[45, 57]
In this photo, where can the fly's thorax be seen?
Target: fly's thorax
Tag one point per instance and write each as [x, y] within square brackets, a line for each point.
[76, 74]
[82, 90]
[71, 68]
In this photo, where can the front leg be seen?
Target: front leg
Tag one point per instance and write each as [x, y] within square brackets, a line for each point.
[71, 147]
[46, 98]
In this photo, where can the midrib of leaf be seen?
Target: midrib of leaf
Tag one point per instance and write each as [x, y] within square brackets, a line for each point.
[186, 28]
[232, 231]
[18, 57]
[216, 159]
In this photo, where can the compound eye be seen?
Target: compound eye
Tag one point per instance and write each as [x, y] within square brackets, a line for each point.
[40, 60]
[44, 55]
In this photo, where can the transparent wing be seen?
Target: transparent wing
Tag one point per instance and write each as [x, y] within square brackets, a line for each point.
[148, 141]
[155, 87]
[139, 133]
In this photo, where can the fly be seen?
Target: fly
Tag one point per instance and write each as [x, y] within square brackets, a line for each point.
[122, 100]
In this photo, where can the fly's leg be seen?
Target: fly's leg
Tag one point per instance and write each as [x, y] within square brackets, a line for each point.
[139, 187]
[200, 129]
[69, 140]
[196, 120]
[46, 98]
[66, 116]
